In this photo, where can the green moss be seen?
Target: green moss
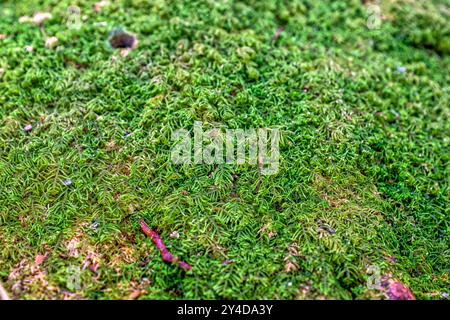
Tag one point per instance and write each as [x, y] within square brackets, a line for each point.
[364, 149]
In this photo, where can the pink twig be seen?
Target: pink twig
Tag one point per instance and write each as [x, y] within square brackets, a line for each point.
[165, 253]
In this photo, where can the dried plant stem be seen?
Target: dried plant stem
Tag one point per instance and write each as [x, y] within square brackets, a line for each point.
[44, 34]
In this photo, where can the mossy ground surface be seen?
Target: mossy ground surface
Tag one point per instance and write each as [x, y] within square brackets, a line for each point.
[363, 116]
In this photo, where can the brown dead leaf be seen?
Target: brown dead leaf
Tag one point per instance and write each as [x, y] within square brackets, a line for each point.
[92, 261]
[293, 249]
[94, 267]
[136, 294]
[271, 234]
[26, 278]
[290, 266]
[263, 229]
[111, 146]
[40, 259]
[67, 295]
[128, 254]
[266, 230]
[72, 247]
[138, 289]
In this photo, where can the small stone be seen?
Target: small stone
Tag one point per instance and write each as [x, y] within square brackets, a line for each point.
[29, 49]
[401, 70]
[445, 295]
[120, 39]
[51, 42]
[28, 128]
[227, 262]
[67, 183]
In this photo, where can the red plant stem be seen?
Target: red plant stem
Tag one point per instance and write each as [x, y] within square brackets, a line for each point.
[159, 243]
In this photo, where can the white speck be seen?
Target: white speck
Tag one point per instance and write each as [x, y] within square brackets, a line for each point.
[401, 70]
[174, 235]
[101, 24]
[28, 128]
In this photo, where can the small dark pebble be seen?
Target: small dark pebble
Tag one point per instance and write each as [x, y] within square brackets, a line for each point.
[121, 39]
